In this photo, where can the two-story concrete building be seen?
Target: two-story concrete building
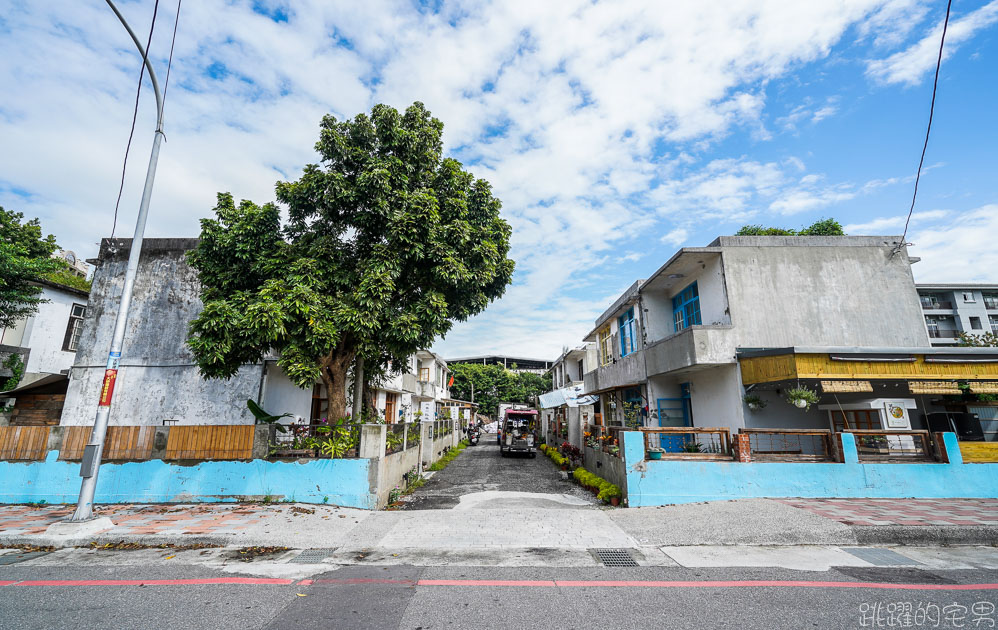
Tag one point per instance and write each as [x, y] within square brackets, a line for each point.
[566, 410]
[159, 382]
[745, 314]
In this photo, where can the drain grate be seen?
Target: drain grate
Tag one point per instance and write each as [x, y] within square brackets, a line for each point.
[880, 557]
[614, 557]
[313, 556]
[20, 556]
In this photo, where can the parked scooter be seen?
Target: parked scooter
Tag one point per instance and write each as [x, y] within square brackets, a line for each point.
[474, 434]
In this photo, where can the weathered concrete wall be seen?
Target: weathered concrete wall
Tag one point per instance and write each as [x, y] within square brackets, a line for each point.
[708, 345]
[606, 466]
[834, 291]
[158, 379]
[669, 482]
[717, 398]
[391, 469]
[343, 482]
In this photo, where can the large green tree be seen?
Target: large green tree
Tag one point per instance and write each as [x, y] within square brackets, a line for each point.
[386, 244]
[25, 260]
[494, 384]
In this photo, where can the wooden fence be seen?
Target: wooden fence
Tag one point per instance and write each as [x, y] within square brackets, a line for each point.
[23, 443]
[119, 443]
[210, 442]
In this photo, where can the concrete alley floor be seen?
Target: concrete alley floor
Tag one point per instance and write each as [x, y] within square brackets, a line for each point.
[480, 479]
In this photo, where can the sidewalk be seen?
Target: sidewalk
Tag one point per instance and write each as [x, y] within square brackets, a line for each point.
[350, 531]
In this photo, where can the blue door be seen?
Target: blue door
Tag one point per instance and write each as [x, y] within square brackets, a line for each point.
[675, 412]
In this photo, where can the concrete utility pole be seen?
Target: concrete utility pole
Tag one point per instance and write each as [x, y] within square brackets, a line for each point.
[94, 449]
[358, 389]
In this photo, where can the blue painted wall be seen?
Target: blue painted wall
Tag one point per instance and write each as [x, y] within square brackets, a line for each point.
[344, 482]
[664, 482]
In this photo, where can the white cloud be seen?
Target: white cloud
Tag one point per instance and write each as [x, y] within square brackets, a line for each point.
[961, 250]
[910, 66]
[592, 120]
[675, 237]
[893, 225]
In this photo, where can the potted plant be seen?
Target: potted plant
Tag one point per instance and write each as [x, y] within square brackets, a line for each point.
[802, 397]
[655, 452]
[753, 402]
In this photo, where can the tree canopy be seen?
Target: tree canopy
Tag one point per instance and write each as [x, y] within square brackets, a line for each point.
[387, 243]
[821, 227]
[25, 260]
[495, 384]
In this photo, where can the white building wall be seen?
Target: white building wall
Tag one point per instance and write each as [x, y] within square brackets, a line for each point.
[281, 396]
[44, 332]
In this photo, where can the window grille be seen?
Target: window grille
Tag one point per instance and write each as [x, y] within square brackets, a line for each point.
[74, 328]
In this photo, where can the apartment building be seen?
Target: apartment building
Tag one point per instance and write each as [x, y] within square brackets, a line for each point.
[951, 309]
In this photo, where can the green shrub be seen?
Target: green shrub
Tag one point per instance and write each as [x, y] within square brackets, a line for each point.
[608, 491]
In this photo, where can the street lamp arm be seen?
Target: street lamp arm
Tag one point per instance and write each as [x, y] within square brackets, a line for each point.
[148, 64]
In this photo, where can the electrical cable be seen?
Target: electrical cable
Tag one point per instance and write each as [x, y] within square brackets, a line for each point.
[169, 63]
[932, 108]
[135, 114]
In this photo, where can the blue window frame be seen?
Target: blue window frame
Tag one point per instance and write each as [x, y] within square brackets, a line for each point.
[626, 325]
[686, 308]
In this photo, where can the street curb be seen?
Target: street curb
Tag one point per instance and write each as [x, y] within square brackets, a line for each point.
[62, 542]
[926, 535]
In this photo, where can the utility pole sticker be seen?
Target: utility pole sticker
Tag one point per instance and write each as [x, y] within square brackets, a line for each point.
[110, 376]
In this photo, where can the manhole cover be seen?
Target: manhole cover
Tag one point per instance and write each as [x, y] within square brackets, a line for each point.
[880, 557]
[14, 558]
[614, 557]
[312, 556]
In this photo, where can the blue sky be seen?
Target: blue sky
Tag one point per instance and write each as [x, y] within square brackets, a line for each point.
[614, 133]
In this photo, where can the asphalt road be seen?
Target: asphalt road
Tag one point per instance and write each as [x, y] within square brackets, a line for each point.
[481, 469]
[420, 598]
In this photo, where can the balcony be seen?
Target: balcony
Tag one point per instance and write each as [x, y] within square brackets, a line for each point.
[937, 306]
[991, 304]
[935, 333]
[629, 370]
[692, 347]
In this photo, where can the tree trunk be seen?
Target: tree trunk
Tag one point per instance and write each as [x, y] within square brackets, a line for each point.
[334, 377]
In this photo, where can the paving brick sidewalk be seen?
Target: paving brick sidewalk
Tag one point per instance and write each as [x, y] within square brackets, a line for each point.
[140, 519]
[911, 512]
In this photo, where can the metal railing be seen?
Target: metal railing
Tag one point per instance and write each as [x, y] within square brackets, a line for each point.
[413, 435]
[687, 443]
[937, 305]
[936, 333]
[887, 446]
[790, 445]
[318, 439]
[394, 438]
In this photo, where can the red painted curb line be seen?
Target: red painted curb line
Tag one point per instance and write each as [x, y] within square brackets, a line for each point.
[362, 581]
[181, 582]
[709, 584]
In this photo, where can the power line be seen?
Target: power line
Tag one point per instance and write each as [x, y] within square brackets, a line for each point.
[932, 108]
[135, 114]
[169, 64]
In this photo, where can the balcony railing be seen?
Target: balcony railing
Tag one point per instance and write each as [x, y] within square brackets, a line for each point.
[886, 446]
[930, 306]
[687, 443]
[936, 333]
[790, 445]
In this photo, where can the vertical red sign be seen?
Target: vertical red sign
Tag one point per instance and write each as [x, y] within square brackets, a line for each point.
[107, 389]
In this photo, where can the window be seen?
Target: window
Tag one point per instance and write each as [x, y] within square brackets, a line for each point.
[991, 301]
[626, 326]
[686, 308]
[74, 328]
[993, 320]
[581, 369]
[868, 419]
[968, 296]
[605, 347]
[424, 375]
[975, 323]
